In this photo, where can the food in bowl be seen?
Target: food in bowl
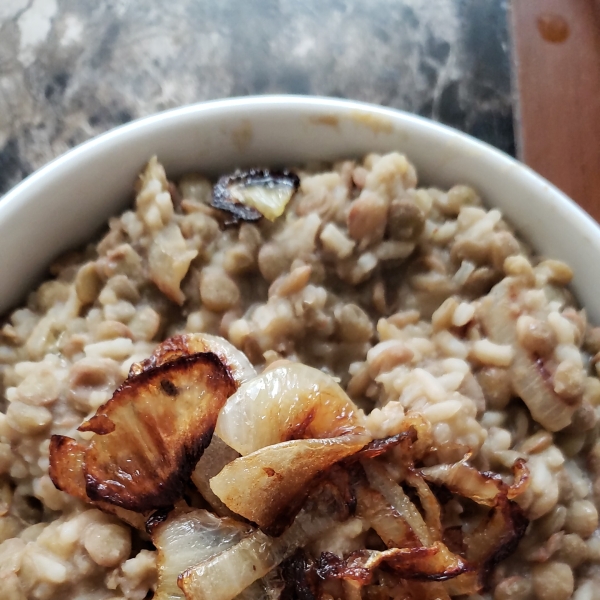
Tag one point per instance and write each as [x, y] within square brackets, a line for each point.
[328, 383]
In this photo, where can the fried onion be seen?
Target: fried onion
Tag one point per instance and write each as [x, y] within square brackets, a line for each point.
[152, 432]
[269, 486]
[185, 538]
[239, 366]
[226, 575]
[289, 402]
[66, 472]
[432, 563]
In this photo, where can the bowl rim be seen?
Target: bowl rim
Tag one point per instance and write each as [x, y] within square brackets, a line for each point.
[568, 232]
[11, 198]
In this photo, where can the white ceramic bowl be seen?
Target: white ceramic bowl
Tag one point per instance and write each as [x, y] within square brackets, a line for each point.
[68, 201]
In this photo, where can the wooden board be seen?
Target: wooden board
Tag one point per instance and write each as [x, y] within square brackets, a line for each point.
[557, 67]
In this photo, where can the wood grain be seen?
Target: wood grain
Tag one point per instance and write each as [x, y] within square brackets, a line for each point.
[558, 88]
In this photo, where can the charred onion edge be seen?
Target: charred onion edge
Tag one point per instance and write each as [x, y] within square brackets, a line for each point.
[503, 505]
[517, 523]
[221, 198]
[381, 446]
[168, 491]
[99, 424]
[186, 344]
[281, 517]
[360, 565]
[300, 576]
[61, 448]
[158, 517]
[66, 472]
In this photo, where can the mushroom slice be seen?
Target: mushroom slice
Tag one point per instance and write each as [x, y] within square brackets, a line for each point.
[66, 472]
[226, 575]
[152, 432]
[289, 402]
[269, 486]
[186, 538]
[235, 360]
[250, 195]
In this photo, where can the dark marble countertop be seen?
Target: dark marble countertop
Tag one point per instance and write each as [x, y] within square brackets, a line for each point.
[70, 69]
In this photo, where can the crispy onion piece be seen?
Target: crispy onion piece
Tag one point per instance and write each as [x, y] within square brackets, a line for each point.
[434, 563]
[249, 195]
[498, 535]
[289, 402]
[152, 432]
[495, 538]
[226, 575]
[66, 472]
[300, 577]
[387, 523]
[404, 441]
[531, 378]
[521, 479]
[184, 539]
[431, 507]
[380, 480]
[484, 488]
[269, 486]
[215, 458]
[235, 360]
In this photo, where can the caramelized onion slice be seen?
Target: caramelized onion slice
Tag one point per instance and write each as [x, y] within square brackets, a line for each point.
[66, 472]
[484, 488]
[466, 481]
[66, 466]
[387, 522]
[521, 480]
[152, 432]
[434, 563]
[226, 575]
[404, 441]
[530, 377]
[215, 458]
[380, 480]
[269, 486]
[186, 538]
[250, 195]
[496, 537]
[289, 402]
[235, 360]
[429, 503]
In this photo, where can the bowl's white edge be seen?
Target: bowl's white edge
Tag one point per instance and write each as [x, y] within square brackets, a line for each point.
[25, 191]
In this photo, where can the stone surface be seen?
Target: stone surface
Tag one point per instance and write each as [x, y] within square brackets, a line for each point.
[70, 69]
